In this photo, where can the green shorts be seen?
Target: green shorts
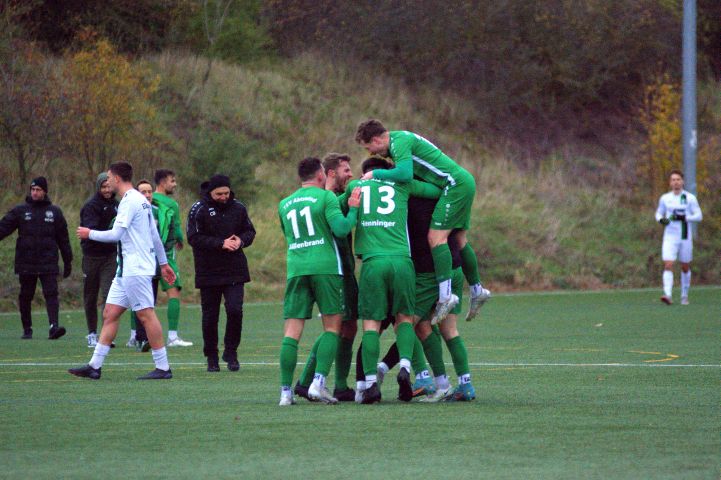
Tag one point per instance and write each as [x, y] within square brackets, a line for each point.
[453, 209]
[164, 286]
[350, 290]
[386, 283]
[303, 291]
[427, 293]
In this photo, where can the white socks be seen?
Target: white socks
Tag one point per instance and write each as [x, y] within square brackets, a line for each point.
[442, 382]
[405, 363]
[667, 282]
[685, 283]
[101, 351]
[160, 357]
[476, 289]
[172, 335]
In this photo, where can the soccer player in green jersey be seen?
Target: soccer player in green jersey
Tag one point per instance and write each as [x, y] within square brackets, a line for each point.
[387, 275]
[171, 233]
[414, 155]
[310, 218]
[338, 174]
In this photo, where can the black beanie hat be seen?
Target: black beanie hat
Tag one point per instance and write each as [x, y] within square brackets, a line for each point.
[217, 181]
[40, 182]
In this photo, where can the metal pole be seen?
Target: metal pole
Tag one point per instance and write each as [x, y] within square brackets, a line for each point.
[690, 136]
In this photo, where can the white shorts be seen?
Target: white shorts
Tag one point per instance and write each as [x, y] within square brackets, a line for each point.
[676, 249]
[135, 293]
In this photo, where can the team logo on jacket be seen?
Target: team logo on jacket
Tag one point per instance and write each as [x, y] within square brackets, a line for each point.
[28, 216]
[49, 217]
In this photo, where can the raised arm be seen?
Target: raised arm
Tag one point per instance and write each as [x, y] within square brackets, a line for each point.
[401, 173]
[342, 225]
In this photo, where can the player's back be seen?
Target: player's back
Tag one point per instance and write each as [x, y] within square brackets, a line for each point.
[304, 218]
[429, 162]
[382, 218]
[136, 255]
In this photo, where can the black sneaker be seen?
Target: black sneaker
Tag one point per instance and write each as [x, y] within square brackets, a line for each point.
[213, 364]
[157, 374]
[86, 371]
[56, 331]
[232, 359]
[302, 391]
[27, 334]
[405, 389]
[344, 395]
[371, 395]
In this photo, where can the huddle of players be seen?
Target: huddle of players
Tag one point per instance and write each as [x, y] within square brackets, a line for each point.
[400, 281]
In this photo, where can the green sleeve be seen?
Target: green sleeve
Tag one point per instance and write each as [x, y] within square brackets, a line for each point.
[339, 224]
[178, 224]
[401, 173]
[424, 190]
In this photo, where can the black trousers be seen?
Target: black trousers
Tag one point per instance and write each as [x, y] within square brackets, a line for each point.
[210, 303]
[98, 274]
[28, 283]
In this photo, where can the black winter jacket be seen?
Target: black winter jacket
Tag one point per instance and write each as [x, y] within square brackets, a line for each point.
[209, 224]
[98, 214]
[42, 230]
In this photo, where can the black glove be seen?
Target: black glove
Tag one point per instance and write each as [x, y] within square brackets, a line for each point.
[664, 221]
[67, 270]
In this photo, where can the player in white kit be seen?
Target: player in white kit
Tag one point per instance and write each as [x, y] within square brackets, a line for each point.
[676, 209]
[138, 246]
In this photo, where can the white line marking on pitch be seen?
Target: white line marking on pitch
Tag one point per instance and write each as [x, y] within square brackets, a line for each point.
[481, 364]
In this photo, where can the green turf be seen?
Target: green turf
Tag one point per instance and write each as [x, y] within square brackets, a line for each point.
[574, 385]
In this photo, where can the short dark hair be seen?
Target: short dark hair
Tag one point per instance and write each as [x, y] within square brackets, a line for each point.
[161, 174]
[332, 161]
[675, 171]
[122, 169]
[142, 181]
[375, 163]
[369, 129]
[308, 167]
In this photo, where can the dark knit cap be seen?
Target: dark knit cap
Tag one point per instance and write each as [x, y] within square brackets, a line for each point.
[40, 182]
[217, 181]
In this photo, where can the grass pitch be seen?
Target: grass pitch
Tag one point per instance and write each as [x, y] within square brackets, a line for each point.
[569, 385]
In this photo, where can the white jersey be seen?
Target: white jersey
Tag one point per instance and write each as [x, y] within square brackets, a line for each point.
[684, 203]
[136, 250]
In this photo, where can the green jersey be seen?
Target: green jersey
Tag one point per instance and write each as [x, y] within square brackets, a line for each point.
[168, 216]
[310, 218]
[414, 155]
[382, 228]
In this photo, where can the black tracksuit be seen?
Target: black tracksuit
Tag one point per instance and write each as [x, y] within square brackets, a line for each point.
[42, 232]
[99, 258]
[220, 273]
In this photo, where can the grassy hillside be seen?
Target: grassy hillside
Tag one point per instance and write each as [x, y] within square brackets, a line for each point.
[575, 222]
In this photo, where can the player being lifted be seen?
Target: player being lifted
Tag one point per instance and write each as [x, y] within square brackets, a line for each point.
[414, 155]
[675, 210]
[310, 218]
[387, 276]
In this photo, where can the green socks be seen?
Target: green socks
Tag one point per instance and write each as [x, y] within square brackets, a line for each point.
[443, 262]
[459, 355]
[433, 349]
[133, 321]
[418, 362]
[469, 263]
[343, 358]
[173, 313]
[327, 348]
[405, 340]
[371, 349]
[309, 370]
[288, 359]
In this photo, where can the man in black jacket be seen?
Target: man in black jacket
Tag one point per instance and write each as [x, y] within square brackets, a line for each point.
[42, 230]
[218, 230]
[99, 259]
